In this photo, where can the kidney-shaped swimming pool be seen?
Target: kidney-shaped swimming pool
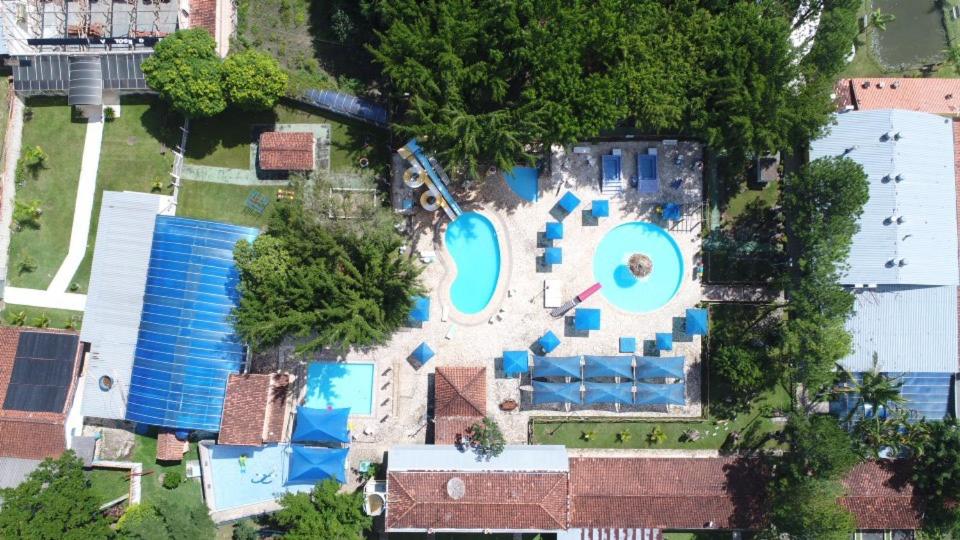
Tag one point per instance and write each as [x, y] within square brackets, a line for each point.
[472, 242]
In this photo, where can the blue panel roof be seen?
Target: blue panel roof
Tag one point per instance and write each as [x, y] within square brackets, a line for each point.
[928, 396]
[546, 392]
[656, 367]
[560, 366]
[909, 159]
[608, 392]
[660, 394]
[347, 105]
[186, 346]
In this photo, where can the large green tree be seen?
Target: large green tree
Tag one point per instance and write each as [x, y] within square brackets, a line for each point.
[809, 511]
[253, 80]
[936, 475]
[185, 69]
[55, 502]
[164, 518]
[323, 514]
[819, 447]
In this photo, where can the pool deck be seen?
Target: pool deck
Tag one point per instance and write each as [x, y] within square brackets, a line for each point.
[516, 317]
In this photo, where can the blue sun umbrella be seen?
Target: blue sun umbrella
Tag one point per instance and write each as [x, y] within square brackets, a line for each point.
[322, 425]
[608, 366]
[423, 353]
[569, 202]
[559, 366]
[549, 342]
[659, 367]
[421, 309]
[554, 231]
[697, 322]
[546, 392]
[601, 208]
[515, 362]
[309, 465]
[608, 393]
[553, 255]
[586, 319]
[664, 341]
[660, 394]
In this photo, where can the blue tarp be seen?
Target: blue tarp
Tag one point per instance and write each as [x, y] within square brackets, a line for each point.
[554, 231]
[697, 322]
[423, 353]
[586, 319]
[671, 212]
[608, 366]
[524, 182]
[658, 367]
[601, 208]
[515, 362]
[549, 341]
[664, 341]
[611, 166]
[608, 393]
[660, 394]
[553, 255]
[421, 309]
[309, 465]
[322, 425]
[569, 202]
[561, 366]
[545, 392]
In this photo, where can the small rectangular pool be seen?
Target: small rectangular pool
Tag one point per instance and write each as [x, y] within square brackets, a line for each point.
[338, 384]
[262, 478]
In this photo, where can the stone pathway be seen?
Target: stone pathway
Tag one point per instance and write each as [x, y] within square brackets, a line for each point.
[223, 175]
[44, 299]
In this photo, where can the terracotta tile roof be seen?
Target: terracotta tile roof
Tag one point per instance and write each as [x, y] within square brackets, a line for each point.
[254, 409]
[203, 14]
[460, 400]
[665, 493]
[169, 448]
[286, 151]
[938, 96]
[491, 500]
[880, 497]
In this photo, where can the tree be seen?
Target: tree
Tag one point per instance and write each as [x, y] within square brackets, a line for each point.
[243, 530]
[819, 448]
[880, 20]
[252, 80]
[172, 479]
[656, 436]
[809, 511]
[323, 513]
[742, 369]
[624, 436]
[27, 264]
[18, 318]
[55, 502]
[341, 25]
[936, 475]
[163, 518]
[874, 389]
[185, 70]
[27, 214]
[486, 438]
[41, 321]
[31, 162]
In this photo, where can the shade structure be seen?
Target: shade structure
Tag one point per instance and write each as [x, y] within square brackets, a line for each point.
[421, 309]
[608, 366]
[569, 202]
[347, 105]
[311, 464]
[546, 392]
[658, 367]
[664, 341]
[561, 366]
[601, 208]
[660, 394]
[549, 341]
[553, 255]
[697, 322]
[423, 353]
[586, 319]
[621, 393]
[322, 425]
[672, 212]
[515, 362]
[554, 231]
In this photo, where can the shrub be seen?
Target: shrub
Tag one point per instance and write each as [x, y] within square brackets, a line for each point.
[172, 479]
[341, 25]
[243, 530]
[27, 264]
[109, 115]
[486, 438]
[656, 436]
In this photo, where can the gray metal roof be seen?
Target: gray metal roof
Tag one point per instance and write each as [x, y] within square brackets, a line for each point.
[514, 458]
[118, 280]
[52, 73]
[909, 159]
[912, 329]
[86, 81]
[13, 471]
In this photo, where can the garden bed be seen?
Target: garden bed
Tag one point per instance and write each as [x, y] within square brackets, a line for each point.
[58, 318]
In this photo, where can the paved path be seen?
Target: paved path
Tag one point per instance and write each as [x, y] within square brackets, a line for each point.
[223, 175]
[11, 153]
[44, 299]
[83, 210]
[740, 293]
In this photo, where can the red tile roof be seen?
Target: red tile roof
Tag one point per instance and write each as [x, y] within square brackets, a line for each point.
[460, 401]
[286, 151]
[203, 14]
[880, 497]
[665, 493]
[169, 448]
[490, 500]
[938, 96]
[254, 409]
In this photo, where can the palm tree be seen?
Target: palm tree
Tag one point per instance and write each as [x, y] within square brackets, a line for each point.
[624, 436]
[41, 321]
[874, 388]
[879, 19]
[72, 323]
[19, 318]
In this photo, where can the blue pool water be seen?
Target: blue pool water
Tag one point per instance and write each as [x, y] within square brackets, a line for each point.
[620, 286]
[262, 479]
[337, 385]
[523, 182]
[472, 242]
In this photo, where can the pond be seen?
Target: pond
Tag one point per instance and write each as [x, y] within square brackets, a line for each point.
[917, 35]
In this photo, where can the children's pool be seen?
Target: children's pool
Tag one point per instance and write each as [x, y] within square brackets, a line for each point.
[337, 384]
[261, 477]
[620, 286]
[472, 242]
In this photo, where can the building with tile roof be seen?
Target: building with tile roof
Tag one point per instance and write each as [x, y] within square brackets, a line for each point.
[287, 151]
[255, 409]
[460, 401]
[879, 495]
[169, 448]
[932, 95]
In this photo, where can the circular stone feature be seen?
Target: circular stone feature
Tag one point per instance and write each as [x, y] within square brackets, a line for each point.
[613, 267]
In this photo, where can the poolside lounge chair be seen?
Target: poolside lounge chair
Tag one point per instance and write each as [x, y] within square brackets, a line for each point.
[648, 181]
[600, 208]
[548, 342]
[552, 255]
[554, 231]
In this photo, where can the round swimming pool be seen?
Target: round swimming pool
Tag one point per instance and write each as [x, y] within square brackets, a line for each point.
[472, 242]
[660, 255]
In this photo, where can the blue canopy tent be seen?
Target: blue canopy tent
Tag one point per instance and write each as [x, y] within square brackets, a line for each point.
[621, 393]
[421, 309]
[660, 394]
[554, 231]
[309, 465]
[601, 208]
[548, 342]
[546, 392]
[515, 362]
[658, 367]
[561, 366]
[586, 319]
[569, 202]
[664, 341]
[553, 255]
[697, 322]
[608, 366]
[672, 212]
[322, 425]
[423, 353]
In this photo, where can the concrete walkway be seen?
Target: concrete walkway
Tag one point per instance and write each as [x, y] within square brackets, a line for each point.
[11, 153]
[83, 209]
[44, 299]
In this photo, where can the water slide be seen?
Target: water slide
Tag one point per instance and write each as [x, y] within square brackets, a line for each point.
[562, 310]
[436, 179]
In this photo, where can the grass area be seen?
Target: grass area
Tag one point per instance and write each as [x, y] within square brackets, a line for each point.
[55, 187]
[59, 318]
[222, 202]
[108, 484]
[767, 195]
[186, 496]
[949, 23]
[135, 154]
[698, 535]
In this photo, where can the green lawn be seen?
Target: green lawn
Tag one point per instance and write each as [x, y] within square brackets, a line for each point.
[700, 535]
[132, 158]
[55, 187]
[187, 495]
[109, 484]
[59, 318]
[222, 202]
[739, 202]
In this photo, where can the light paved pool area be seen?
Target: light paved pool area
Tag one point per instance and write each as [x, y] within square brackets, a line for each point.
[516, 309]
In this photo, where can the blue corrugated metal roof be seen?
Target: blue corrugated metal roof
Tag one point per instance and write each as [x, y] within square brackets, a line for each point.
[917, 148]
[927, 395]
[910, 329]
